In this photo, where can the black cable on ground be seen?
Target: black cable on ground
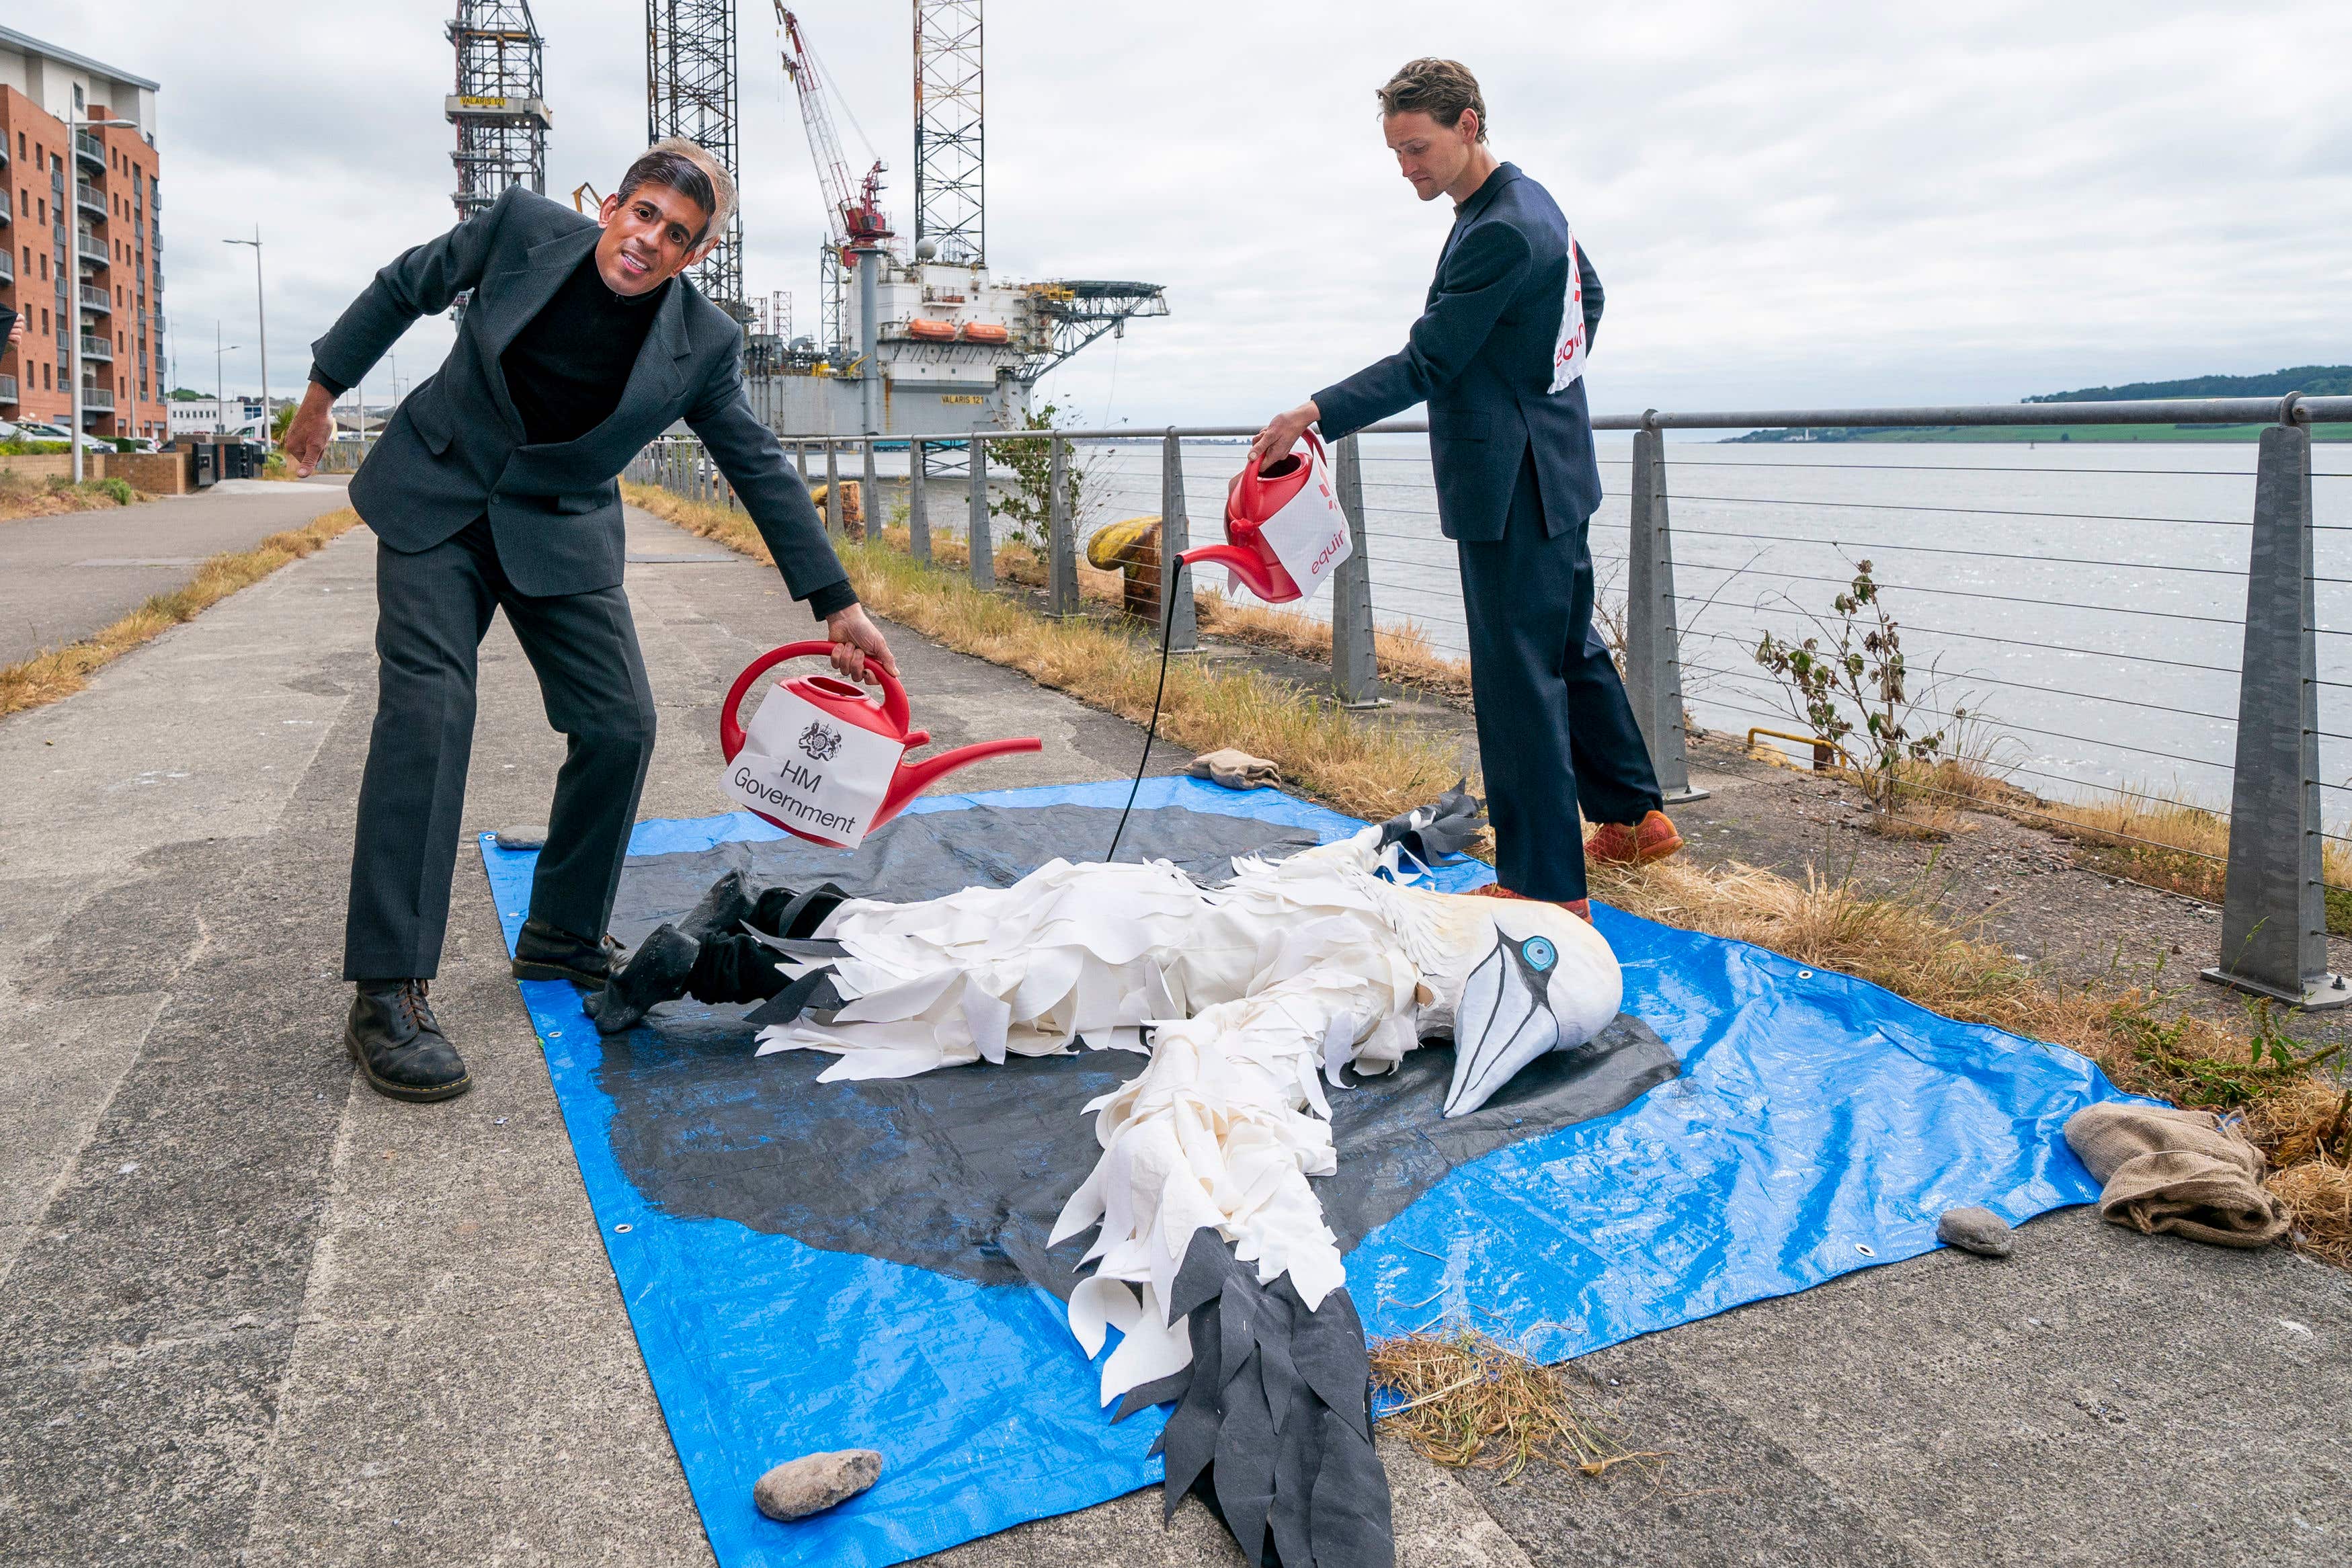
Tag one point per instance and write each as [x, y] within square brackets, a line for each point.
[1167, 590]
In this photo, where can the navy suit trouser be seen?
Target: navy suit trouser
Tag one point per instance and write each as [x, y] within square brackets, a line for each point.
[432, 607]
[1556, 734]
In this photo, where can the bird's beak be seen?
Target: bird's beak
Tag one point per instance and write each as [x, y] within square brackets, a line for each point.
[1502, 1023]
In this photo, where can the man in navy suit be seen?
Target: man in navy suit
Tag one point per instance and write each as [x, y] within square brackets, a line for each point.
[1499, 357]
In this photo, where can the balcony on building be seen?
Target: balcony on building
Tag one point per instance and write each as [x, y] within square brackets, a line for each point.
[96, 348]
[94, 250]
[90, 148]
[8, 390]
[96, 399]
[7, 267]
[90, 198]
[7, 209]
[96, 298]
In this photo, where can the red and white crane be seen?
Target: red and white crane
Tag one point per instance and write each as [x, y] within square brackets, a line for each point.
[854, 215]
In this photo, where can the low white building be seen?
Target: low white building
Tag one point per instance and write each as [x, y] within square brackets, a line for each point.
[205, 416]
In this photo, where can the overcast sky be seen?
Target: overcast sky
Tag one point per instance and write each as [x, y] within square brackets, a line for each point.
[1826, 204]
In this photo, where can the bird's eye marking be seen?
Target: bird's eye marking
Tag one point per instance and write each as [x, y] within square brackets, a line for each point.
[1538, 952]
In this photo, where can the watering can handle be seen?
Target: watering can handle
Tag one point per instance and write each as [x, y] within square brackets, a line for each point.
[730, 730]
[1247, 483]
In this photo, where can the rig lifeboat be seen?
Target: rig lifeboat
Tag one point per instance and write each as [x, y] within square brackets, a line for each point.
[931, 331]
[985, 332]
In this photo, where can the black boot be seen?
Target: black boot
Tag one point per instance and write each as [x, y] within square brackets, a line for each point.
[657, 972]
[727, 904]
[398, 1043]
[545, 953]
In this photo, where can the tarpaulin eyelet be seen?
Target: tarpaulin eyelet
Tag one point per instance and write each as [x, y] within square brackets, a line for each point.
[1804, 974]
[623, 1229]
[1863, 1248]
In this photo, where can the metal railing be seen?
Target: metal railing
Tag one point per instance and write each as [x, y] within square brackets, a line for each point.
[90, 198]
[87, 145]
[93, 298]
[96, 348]
[101, 399]
[7, 389]
[2093, 599]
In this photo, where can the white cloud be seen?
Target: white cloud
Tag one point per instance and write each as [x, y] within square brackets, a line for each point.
[1841, 204]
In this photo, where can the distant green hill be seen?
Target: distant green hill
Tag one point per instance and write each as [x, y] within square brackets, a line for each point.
[2313, 381]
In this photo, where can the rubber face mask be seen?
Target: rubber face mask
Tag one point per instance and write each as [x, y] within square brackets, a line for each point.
[1504, 1020]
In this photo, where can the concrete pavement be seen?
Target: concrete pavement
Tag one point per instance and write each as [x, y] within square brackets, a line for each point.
[247, 1315]
[63, 578]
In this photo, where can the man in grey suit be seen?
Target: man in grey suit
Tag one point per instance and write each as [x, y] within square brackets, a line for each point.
[493, 488]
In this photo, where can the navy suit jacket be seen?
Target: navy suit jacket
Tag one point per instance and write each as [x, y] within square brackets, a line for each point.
[456, 449]
[1481, 356]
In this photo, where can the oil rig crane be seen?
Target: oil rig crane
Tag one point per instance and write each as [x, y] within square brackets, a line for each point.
[928, 338]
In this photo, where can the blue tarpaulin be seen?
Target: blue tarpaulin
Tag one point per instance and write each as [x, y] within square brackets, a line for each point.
[1819, 1125]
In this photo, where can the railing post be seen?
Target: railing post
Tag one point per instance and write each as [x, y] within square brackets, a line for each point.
[1061, 543]
[870, 496]
[919, 522]
[2274, 908]
[1355, 662]
[800, 455]
[833, 490]
[978, 536]
[1653, 669]
[1182, 615]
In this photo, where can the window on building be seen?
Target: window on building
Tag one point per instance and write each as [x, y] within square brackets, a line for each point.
[44, 378]
[45, 323]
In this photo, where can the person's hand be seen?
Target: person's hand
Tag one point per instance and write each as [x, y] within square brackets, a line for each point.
[1282, 433]
[855, 639]
[307, 432]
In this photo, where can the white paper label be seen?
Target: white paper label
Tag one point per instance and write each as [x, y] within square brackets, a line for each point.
[1310, 535]
[1567, 351]
[811, 772]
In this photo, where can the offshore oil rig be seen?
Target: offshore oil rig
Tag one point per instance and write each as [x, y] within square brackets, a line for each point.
[914, 335]
[917, 337]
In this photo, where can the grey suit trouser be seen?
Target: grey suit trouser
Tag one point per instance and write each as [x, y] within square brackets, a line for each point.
[432, 607]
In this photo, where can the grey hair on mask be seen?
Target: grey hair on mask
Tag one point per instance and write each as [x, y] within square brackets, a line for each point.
[688, 169]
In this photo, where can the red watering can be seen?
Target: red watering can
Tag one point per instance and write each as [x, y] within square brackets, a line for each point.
[847, 704]
[1257, 493]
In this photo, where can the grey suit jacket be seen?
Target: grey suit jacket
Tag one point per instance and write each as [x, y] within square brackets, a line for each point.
[456, 449]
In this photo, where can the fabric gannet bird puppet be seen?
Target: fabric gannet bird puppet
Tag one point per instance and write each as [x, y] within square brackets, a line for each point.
[1210, 1254]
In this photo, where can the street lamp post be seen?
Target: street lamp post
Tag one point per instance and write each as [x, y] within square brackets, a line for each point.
[75, 126]
[261, 308]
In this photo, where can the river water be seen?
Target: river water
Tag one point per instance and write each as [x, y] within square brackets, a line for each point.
[2085, 601]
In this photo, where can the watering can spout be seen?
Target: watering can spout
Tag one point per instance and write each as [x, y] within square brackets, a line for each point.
[1252, 568]
[913, 777]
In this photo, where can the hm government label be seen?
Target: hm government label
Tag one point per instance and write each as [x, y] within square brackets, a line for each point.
[810, 772]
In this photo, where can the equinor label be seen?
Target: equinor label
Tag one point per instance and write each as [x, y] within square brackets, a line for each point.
[811, 771]
[1309, 536]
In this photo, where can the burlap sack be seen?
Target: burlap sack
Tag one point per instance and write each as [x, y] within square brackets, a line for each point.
[1234, 769]
[2181, 1171]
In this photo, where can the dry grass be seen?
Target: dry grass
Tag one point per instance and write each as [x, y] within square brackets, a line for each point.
[1373, 769]
[1905, 945]
[21, 497]
[1470, 1400]
[60, 672]
[1404, 653]
[1369, 767]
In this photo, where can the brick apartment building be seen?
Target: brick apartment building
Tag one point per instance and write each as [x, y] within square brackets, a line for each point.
[106, 182]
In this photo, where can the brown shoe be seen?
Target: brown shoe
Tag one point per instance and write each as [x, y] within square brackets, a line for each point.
[1580, 907]
[1617, 843]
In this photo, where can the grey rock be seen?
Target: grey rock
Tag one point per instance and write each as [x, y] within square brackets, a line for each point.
[530, 836]
[814, 1483]
[1977, 1230]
